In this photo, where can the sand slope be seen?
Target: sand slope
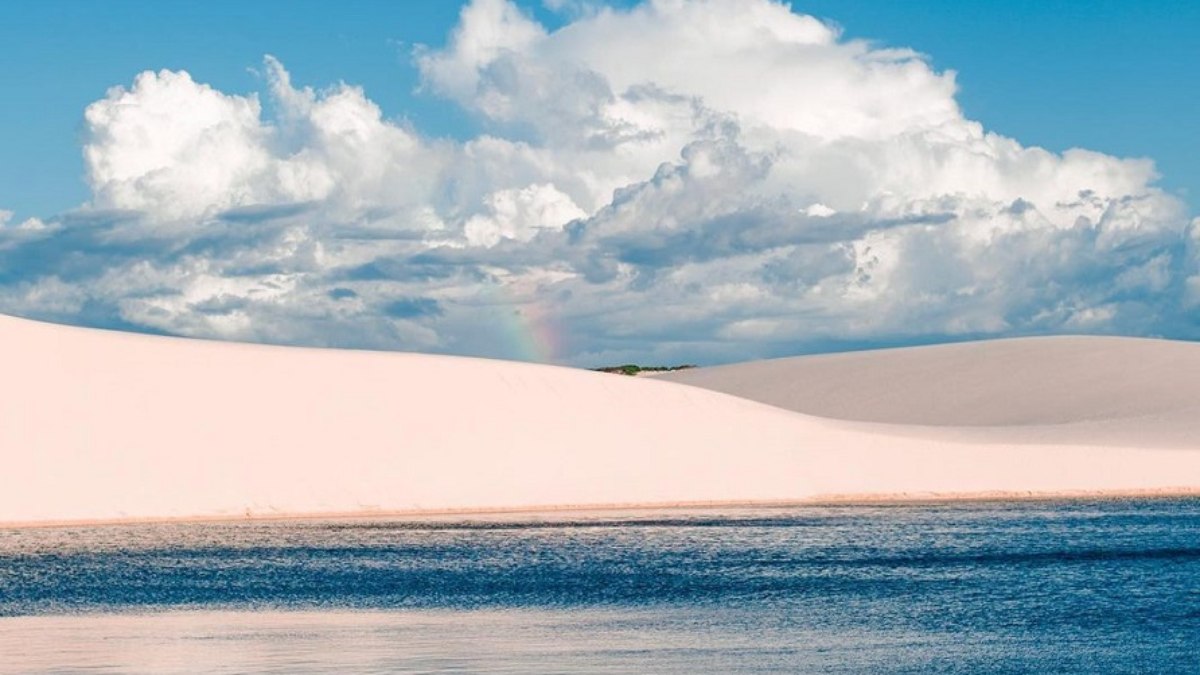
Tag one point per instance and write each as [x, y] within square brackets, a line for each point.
[98, 425]
[1110, 390]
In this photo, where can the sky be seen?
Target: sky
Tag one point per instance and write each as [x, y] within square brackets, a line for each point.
[587, 183]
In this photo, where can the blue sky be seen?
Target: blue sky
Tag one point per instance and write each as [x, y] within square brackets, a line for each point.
[572, 182]
[1117, 76]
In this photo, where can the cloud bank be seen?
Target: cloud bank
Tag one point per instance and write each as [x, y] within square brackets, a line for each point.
[702, 181]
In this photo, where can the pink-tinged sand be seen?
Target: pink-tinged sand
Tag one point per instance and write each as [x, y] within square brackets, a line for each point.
[1065, 389]
[99, 426]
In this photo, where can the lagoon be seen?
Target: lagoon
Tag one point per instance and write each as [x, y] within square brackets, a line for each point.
[1065, 586]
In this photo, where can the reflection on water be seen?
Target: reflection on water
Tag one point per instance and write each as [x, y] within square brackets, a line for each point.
[1065, 587]
[506, 641]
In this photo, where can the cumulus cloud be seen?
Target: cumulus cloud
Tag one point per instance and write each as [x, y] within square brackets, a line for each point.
[172, 147]
[175, 150]
[700, 181]
[27, 224]
[521, 214]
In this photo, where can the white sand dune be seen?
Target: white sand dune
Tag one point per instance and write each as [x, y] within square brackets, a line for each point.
[98, 425]
[1068, 389]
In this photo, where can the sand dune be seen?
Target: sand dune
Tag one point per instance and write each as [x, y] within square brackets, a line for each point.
[1108, 390]
[98, 425]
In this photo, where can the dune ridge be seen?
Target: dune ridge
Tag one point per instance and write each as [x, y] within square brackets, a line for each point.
[1062, 389]
[105, 426]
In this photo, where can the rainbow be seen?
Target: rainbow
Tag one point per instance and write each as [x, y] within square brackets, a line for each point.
[528, 329]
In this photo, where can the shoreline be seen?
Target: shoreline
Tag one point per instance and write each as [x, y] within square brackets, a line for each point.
[831, 500]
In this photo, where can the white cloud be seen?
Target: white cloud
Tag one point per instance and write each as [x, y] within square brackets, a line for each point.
[819, 210]
[173, 147]
[701, 180]
[176, 149]
[27, 224]
[487, 30]
[755, 59]
[521, 214]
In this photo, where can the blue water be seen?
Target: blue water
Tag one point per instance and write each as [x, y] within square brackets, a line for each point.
[1067, 587]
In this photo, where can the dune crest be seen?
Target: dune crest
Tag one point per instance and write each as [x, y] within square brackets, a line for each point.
[1068, 389]
[99, 425]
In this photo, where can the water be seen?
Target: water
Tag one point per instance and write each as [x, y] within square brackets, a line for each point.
[1066, 587]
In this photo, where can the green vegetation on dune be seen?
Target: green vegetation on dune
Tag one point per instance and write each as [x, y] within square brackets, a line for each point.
[634, 369]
